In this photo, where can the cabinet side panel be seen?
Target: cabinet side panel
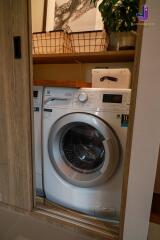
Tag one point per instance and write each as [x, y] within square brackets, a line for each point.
[15, 107]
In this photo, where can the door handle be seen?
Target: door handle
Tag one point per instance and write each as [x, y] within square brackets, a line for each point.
[113, 79]
[17, 47]
[55, 99]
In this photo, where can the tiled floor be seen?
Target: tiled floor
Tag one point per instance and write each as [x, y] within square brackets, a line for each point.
[17, 227]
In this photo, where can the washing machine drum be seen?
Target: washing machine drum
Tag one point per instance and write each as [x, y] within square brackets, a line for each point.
[83, 149]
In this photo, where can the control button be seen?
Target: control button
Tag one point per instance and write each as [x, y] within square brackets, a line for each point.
[83, 97]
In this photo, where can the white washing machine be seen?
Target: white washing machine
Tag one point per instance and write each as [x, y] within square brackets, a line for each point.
[84, 141]
[37, 101]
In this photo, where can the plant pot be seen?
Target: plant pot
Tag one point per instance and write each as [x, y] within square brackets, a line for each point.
[122, 40]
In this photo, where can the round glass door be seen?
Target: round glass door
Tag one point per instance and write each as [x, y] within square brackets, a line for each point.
[83, 149]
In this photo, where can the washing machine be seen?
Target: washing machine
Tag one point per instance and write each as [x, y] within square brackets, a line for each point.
[84, 139]
[37, 102]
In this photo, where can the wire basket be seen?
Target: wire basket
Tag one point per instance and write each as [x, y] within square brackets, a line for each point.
[51, 42]
[90, 41]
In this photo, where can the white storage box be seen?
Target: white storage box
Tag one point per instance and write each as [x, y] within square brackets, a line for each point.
[111, 78]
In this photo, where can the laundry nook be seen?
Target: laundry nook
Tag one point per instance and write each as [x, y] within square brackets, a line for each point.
[79, 136]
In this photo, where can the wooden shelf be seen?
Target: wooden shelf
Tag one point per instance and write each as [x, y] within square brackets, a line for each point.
[60, 83]
[63, 58]
[103, 57]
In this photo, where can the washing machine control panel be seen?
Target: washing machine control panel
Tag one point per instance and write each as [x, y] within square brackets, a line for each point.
[102, 99]
[88, 98]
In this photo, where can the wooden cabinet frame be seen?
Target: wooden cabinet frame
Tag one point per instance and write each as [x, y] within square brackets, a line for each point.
[16, 141]
[16, 106]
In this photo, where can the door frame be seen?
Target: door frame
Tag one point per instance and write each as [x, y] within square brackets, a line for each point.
[143, 135]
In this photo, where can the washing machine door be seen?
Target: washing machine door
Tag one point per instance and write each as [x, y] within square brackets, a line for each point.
[83, 149]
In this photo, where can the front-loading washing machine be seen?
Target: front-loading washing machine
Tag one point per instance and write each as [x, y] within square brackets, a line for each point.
[84, 139]
[37, 103]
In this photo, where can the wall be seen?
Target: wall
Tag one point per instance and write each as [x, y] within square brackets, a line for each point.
[146, 135]
[37, 18]
[37, 15]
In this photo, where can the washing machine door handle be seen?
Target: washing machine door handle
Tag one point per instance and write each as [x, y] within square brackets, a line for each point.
[54, 99]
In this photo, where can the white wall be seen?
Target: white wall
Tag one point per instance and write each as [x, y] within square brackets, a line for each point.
[94, 21]
[146, 135]
[91, 20]
[50, 15]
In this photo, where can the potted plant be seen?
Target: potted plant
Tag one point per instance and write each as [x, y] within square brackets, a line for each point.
[120, 22]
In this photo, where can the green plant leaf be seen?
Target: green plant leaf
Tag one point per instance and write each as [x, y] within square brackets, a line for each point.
[119, 15]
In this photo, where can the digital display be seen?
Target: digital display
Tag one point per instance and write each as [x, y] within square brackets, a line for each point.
[35, 94]
[112, 98]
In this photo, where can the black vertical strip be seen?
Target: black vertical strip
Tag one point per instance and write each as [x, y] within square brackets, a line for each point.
[45, 15]
[17, 47]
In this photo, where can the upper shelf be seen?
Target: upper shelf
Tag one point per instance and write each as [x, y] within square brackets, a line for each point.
[97, 57]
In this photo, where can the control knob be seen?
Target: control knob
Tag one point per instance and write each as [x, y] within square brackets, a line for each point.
[83, 97]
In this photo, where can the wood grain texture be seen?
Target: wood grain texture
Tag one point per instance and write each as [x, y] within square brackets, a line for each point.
[62, 83]
[155, 218]
[135, 76]
[76, 221]
[68, 220]
[110, 56]
[15, 105]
